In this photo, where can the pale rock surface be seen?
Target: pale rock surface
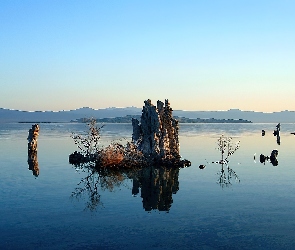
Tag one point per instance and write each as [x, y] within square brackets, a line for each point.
[157, 134]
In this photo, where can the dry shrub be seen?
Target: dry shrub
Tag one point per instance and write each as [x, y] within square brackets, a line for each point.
[115, 155]
[88, 142]
[111, 155]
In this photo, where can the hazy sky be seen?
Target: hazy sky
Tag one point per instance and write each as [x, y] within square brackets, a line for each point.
[201, 55]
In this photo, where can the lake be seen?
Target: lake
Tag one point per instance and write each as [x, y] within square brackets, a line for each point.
[60, 206]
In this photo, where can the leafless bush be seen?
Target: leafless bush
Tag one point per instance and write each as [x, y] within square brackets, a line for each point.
[111, 155]
[114, 155]
[226, 147]
[88, 142]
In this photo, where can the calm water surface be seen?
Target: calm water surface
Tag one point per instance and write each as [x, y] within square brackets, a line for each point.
[58, 206]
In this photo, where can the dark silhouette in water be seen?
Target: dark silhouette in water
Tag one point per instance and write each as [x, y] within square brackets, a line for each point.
[202, 166]
[272, 158]
[277, 130]
[276, 133]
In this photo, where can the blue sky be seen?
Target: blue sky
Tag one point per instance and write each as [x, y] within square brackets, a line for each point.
[201, 55]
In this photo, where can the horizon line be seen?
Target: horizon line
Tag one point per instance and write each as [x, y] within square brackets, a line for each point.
[185, 110]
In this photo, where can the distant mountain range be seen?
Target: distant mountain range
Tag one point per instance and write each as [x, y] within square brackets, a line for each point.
[7, 115]
[128, 119]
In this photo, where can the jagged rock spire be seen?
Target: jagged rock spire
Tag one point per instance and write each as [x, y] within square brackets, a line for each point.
[157, 135]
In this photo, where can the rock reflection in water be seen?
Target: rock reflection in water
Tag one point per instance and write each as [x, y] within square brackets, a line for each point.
[98, 180]
[155, 184]
[33, 163]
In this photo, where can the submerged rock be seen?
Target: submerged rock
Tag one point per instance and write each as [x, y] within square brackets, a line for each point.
[76, 158]
[272, 158]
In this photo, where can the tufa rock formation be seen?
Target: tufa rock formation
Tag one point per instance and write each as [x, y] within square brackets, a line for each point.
[154, 142]
[157, 134]
[32, 149]
[32, 138]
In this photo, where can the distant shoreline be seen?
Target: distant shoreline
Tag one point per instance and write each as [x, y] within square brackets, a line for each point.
[40, 122]
[128, 119]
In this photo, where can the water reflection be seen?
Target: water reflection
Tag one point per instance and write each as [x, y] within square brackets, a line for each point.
[278, 139]
[33, 163]
[156, 185]
[226, 147]
[227, 175]
[90, 186]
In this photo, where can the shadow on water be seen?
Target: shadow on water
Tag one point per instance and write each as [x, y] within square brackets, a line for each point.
[156, 185]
